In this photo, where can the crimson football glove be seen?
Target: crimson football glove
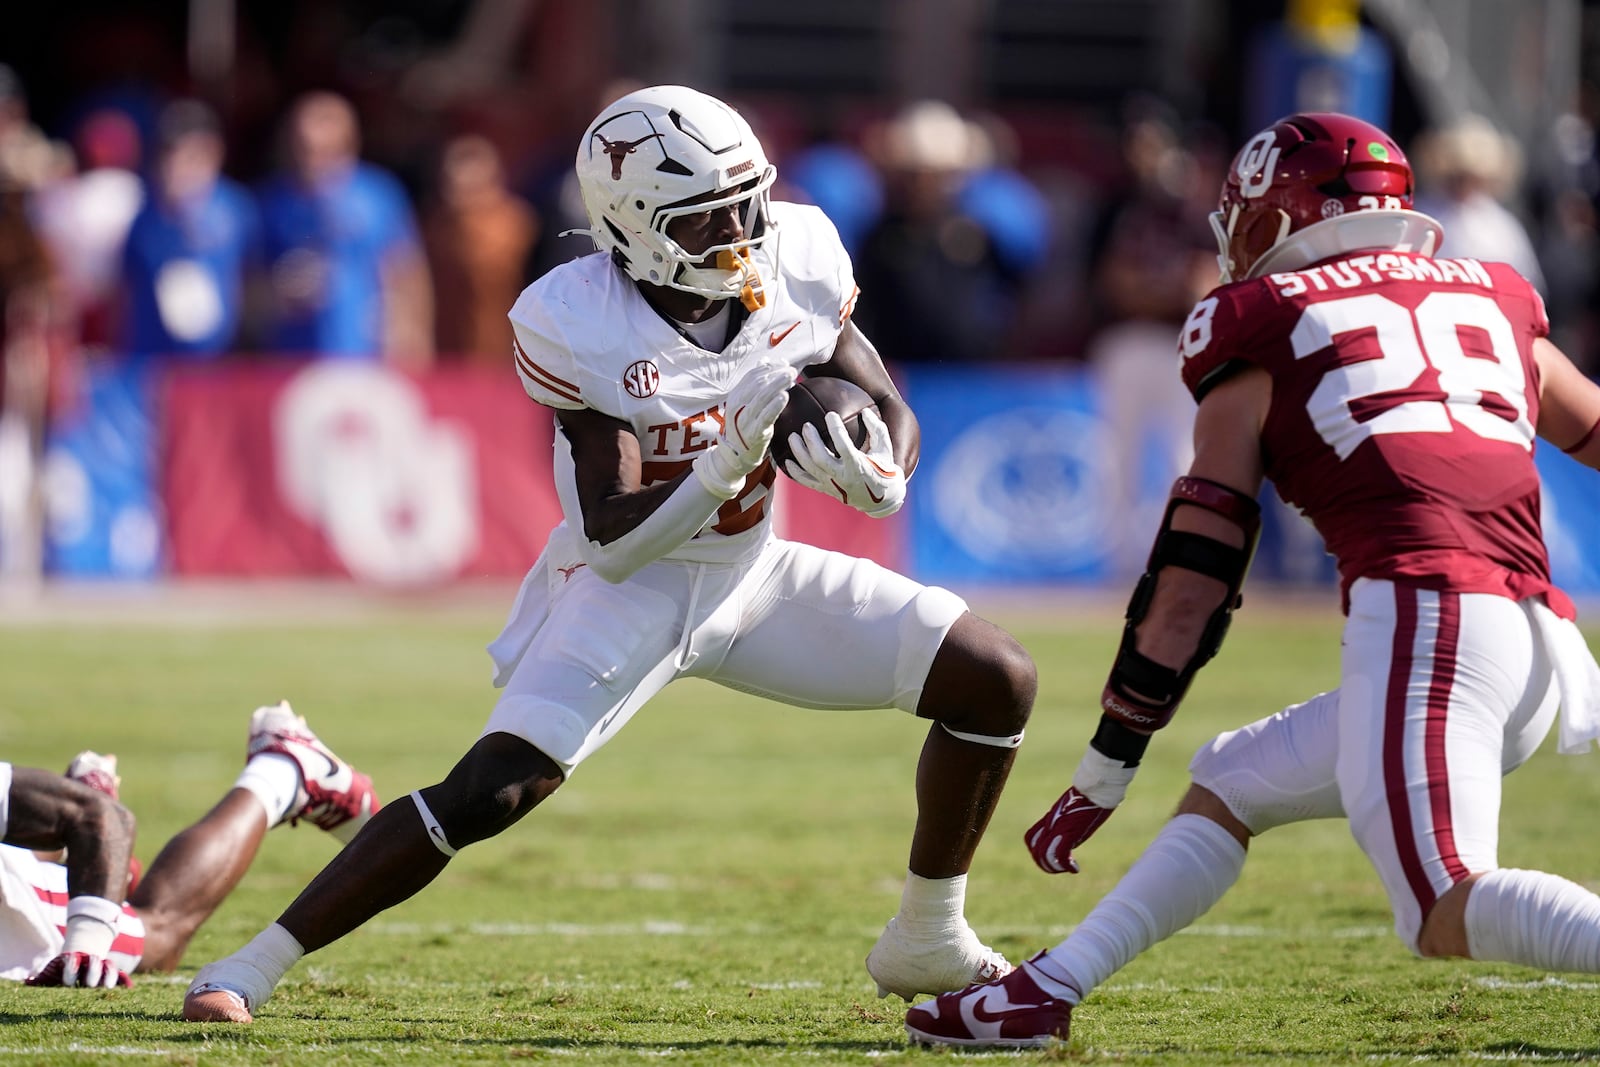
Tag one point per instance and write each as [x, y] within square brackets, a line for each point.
[1072, 821]
[869, 479]
[1098, 787]
[81, 969]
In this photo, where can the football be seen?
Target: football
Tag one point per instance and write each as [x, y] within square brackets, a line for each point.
[810, 400]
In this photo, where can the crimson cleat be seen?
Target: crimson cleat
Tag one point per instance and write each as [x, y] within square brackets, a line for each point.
[95, 771]
[1010, 1012]
[332, 793]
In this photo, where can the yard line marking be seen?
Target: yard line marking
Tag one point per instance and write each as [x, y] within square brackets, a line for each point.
[96, 1050]
[648, 928]
[677, 928]
[1247, 931]
[1549, 981]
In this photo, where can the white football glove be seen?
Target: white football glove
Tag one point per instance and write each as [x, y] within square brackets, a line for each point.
[752, 408]
[869, 481]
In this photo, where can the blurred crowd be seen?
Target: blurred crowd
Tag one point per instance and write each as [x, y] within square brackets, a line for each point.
[140, 242]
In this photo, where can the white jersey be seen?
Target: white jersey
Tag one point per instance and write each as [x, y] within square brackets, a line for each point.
[33, 917]
[585, 337]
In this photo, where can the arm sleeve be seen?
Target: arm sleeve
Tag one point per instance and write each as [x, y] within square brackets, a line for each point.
[678, 518]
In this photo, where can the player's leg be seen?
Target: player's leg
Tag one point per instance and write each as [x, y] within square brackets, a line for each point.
[1275, 771]
[193, 873]
[891, 642]
[1528, 917]
[600, 654]
[289, 776]
[1439, 687]
[979, 690]
[400, 851]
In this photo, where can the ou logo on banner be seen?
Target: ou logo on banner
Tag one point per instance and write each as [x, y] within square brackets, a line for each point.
[360, 457]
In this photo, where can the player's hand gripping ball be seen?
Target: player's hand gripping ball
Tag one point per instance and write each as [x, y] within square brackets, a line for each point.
[841, 447]
[810, 400]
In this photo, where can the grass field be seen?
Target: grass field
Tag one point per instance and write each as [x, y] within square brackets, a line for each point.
[704, 891]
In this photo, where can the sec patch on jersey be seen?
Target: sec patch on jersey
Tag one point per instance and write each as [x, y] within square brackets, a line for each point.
[810, 400]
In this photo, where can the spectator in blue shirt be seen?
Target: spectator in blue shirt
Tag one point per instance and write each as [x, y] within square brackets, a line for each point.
[188, 251]
[345, 269]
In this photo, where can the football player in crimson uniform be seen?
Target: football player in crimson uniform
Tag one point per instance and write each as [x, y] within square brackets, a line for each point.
[666, 357]
[74, 910]
[1393, 396]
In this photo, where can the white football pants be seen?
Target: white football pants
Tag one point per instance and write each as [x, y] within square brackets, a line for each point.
[1440, 695]
[801, 625]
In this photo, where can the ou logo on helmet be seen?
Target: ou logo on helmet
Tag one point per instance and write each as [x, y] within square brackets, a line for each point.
[1258, 160]
[360, 457]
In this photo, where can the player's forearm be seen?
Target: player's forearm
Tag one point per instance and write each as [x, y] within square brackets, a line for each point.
[625, 532]
[1183, 604]
[98, 849]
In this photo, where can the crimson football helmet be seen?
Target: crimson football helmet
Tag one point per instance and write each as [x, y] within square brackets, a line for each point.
[1312, 186]
[666, 151]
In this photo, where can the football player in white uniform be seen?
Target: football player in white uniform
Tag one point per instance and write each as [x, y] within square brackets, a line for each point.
[666, 356]
[63, 917]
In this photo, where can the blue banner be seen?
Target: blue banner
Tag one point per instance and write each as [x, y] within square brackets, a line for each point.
[1014, 478]
[1020, 483]
[1571, 513]
[102, 513]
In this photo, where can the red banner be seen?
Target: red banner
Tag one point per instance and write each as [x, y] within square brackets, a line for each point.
[349, 469]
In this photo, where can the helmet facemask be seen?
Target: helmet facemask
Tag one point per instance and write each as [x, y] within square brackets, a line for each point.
[722, 271]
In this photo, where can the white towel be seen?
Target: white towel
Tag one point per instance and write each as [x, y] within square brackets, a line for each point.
[1577, 680]
[529, 612]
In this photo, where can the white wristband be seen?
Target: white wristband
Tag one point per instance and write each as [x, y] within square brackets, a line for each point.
[91, 925]
[1102, 779]
[719, 473]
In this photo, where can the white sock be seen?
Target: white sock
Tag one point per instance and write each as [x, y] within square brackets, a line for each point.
[273, 779]
[1186, 869]
[272, 952]
[932, 909]
[1535, 919]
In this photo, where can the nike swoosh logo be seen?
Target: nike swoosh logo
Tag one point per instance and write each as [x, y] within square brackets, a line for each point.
[876, 499]
[774, 338]
[1005, 1009]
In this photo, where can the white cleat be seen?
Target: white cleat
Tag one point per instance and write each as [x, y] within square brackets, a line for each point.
[332, 793]
[906, 968]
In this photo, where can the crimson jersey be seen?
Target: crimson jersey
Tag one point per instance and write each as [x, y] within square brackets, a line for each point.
[1404, 401]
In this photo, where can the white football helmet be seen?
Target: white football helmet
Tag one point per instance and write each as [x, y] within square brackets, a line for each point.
[667, 151]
